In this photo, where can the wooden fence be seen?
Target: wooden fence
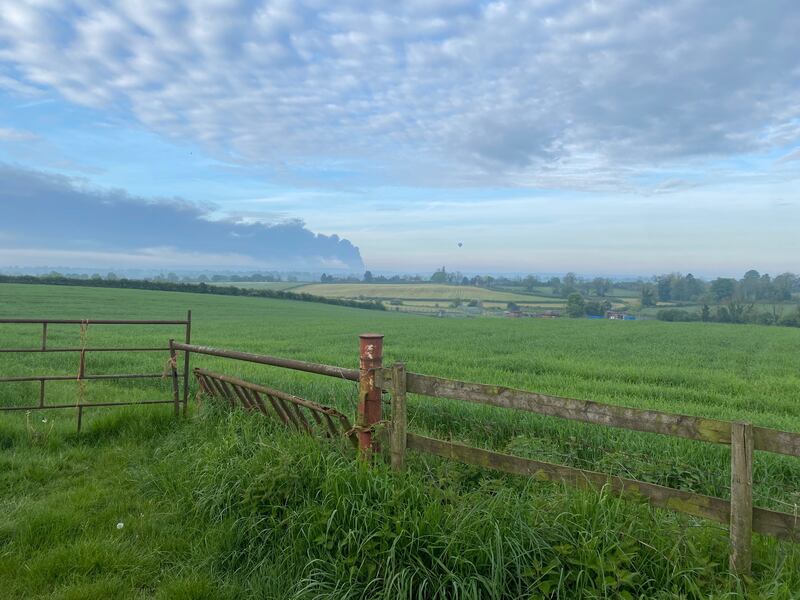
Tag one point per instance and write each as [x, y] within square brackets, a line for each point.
[743, 438]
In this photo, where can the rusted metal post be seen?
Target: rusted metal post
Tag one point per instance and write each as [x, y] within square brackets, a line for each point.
[173, 364]
[741, 532]
[398, 416]
[186, 362]
[369, 394]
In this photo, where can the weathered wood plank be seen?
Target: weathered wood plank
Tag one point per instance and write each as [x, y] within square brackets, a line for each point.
[708, 507]
[777, 441]
[398, 435]
[587, 411]
[776, 524]
[695, 428]
[741, 557]
[766, 522]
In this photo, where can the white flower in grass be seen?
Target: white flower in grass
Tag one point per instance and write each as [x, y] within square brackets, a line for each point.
[120, 525]
[44, 420]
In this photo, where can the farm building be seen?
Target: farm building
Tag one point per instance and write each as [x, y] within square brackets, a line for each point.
[619, 316]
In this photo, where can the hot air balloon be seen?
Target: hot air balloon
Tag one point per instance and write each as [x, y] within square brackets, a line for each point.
[460, 244]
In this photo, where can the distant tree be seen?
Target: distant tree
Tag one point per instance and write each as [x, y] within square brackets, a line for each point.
[648, 295]
[576, 305]
[739, 313]
[530, 282]
[664, 286]
[601, 286]
[112, 277]
[705, 314]
[172, 276]
[554, 283]
[750, 286]
[782, 287]
[96, 277]
[694, 287]
[723, 288]
[465, 281]
[367, 276]
[440, 276]
[597, 309]
[512, 307]
[569, 284]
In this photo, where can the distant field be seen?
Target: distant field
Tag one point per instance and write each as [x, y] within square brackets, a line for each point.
[420, 291]
[260, 285]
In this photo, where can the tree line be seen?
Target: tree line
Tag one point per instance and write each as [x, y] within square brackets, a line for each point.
[196, 288]
[752, 287]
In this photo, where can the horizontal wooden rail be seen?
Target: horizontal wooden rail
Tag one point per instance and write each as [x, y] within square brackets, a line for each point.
[637, 419]
[286, 363]
[767, 522]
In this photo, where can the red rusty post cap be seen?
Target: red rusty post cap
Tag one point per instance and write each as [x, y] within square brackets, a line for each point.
[369, 402]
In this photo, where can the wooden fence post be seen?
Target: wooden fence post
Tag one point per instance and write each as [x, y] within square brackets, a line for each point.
[369, 394]
[173, 364]
[741, 527]
[398, 416]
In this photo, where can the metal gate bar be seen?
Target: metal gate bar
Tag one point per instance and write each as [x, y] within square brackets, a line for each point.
[288, 408]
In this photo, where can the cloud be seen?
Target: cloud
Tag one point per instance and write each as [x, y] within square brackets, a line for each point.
[520, 92]
[52, 215]
[791, 157]
[16, 135]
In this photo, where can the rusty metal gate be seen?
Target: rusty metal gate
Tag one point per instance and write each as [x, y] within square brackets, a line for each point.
[81, 376]
[291, 410]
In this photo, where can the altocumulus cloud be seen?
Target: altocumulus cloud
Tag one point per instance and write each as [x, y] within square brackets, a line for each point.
[53, 217]
[548, 93]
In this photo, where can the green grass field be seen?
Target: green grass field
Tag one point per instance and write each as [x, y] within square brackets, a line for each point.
[222, 505]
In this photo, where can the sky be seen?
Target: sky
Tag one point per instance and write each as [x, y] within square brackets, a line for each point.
[544, 136]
